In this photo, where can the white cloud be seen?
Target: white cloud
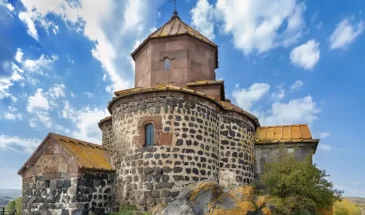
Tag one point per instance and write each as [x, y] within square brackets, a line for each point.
[37, 101]
[10, 7]
[98, 21]
[345, 33]
[85, 120]
[306, 55]
[57, 91]
[19, 144]
[324, 135]
[38, 64]
[260, 25]
[42, 117]
[324, 147]
[297, 85]
[296, 111]
[27, 19]
[202, 18]
[7, 82]
[12, 109]
[245, 98]
[89, 95]
[278, 95]
[19, 55]
[13, 116]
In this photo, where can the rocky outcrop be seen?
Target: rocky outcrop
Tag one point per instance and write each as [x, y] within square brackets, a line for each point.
[208, 197]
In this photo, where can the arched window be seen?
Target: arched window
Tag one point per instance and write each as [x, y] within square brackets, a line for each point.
[149, 134]
[166, 64]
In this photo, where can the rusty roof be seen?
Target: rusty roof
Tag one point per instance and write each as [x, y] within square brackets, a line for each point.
[176, 27]
[284, 133]
[226, 105]
[205, 82]
[89, 156]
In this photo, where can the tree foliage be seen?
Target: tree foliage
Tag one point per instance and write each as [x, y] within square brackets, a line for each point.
[15, 205]
[346, 207]
[297, 187]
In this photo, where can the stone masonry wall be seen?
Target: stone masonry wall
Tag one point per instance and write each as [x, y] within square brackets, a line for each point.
[265, 153]
[186, 150]
[42, 196]
[74, 194]
[94, 193]
[107, 133]
[236, 149]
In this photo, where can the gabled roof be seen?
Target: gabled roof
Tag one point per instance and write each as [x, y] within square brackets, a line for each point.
[284, 133]
[88, 155]
[176, 27]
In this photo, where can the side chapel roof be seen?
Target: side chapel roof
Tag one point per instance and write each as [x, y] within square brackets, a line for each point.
[284, 133]
[88, 155]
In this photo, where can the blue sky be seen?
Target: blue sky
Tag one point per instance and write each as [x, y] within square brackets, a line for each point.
[286, 61]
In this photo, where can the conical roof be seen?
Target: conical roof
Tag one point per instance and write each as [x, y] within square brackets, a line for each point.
[175, 27]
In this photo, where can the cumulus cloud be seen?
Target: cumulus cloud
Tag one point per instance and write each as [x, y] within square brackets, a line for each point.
[58, 90]
[41, 103]
[39, 64]
[306, 55]
[297, 85]
[278, 95]
[85, 121]
[97, 20]
[258, 26]
[8, 81]
[26, 18]
[303, 110]
[245, 98]
[202, 16]
[345, 33]
[19, 55]
[12, 114]
[37, 101]
[18, 144]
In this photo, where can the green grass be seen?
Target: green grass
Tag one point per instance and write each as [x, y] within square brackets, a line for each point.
[130, 210]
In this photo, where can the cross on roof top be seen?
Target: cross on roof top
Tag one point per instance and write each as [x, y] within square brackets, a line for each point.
[175, 12]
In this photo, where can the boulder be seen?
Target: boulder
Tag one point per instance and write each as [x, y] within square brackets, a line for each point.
[209, 198]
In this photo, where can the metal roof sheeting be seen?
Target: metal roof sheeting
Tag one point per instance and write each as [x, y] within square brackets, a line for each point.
[284, 133]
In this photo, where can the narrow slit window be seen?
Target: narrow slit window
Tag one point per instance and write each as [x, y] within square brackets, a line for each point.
[149, 134]
[166, 64]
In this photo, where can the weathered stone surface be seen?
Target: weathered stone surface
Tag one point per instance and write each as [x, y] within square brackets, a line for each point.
[207, 197]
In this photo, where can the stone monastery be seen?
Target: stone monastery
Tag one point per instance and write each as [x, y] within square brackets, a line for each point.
[174, 128]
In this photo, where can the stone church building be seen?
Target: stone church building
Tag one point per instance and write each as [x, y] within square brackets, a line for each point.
[174, 128]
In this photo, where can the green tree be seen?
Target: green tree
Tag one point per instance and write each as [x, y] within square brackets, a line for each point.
[10, 206]
[15, 205]
[297, 187]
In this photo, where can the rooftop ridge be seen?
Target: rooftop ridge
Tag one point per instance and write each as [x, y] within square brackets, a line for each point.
[76, 141]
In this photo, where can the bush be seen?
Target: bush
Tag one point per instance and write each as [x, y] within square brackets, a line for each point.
[346, 207]
[297, 187]
[15, 205]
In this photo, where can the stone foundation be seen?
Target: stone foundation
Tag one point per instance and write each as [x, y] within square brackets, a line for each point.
[79, 193]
